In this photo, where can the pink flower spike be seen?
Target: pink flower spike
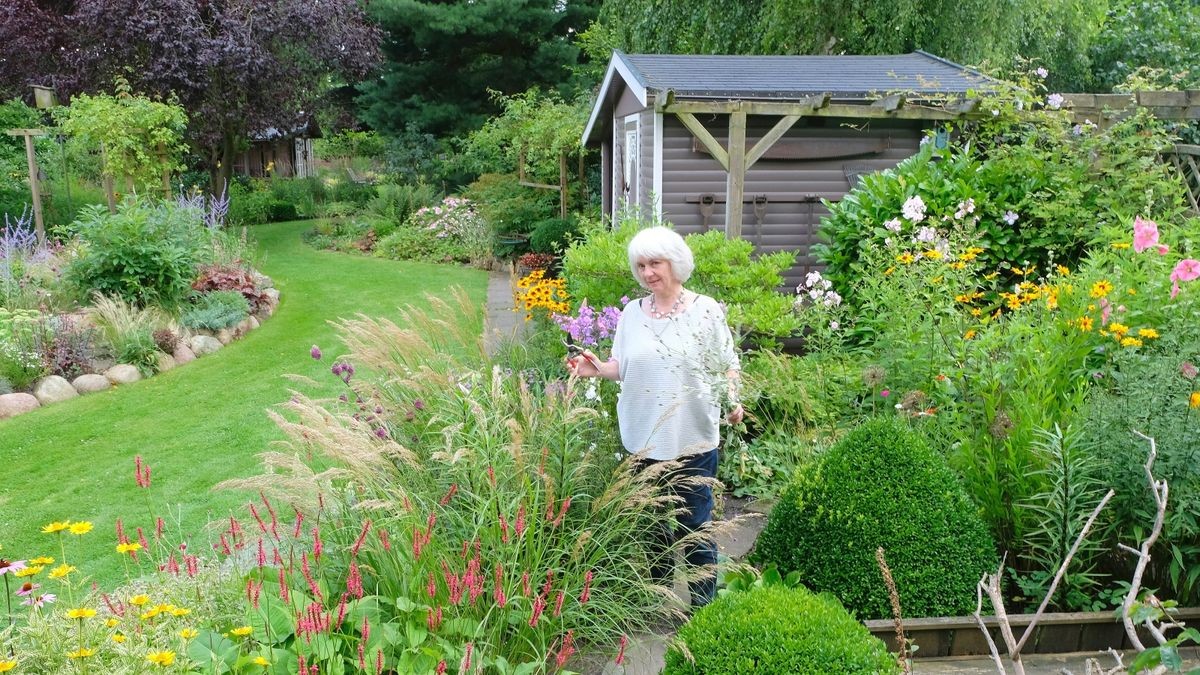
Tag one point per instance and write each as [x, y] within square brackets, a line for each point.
[1145, 234]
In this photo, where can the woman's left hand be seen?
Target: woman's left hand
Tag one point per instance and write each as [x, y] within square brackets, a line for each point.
[735, 416]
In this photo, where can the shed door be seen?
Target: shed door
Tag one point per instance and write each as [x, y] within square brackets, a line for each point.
[629, 159]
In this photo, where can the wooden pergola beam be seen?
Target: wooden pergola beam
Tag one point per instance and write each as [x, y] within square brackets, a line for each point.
[760, 148]
[779, 108]
[706, 139]
[735, 183]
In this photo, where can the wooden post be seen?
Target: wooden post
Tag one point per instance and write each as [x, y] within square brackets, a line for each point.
[34, 188]
[562, 185]
[166, 171]
[736, 183]
[583, 189]
[109, 192]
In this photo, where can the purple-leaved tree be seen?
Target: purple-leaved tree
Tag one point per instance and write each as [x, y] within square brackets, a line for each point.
[237, 66]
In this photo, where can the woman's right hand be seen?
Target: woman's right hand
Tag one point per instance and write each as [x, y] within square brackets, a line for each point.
[584, 365]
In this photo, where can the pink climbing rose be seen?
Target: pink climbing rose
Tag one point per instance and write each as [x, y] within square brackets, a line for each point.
[1188, 269]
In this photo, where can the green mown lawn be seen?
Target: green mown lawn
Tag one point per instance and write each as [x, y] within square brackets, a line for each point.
[196, 425]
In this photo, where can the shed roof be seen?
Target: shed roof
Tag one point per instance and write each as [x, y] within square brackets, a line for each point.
[783, 78]
[786, 77]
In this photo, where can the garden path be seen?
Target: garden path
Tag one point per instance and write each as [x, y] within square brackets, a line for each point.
[502, 321]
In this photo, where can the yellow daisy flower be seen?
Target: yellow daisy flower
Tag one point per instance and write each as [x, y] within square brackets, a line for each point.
[188, 633]
[241, 631]
[28, 571]
[905, 258]
[162, 659]
[81, 653]
[1118, 328]
[969, 334]
[61, 571]
[129, 547]
[1084, 323]
[260, 661]
[57, 526]
[82, 527]
[81, 613]
[139, 600]
[1131, 342]
[1148, 333]
[1101, 288]
[6, 666]
[42, 560]
[1194, 400]
[118, 638]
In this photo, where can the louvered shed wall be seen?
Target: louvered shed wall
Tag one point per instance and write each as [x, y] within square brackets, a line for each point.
[789, 224]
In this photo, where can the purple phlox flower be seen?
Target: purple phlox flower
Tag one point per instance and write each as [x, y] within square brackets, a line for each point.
[315, 352]
[624, 300]
[1041, 72]
[892, 225]
[1010, 217]
[1055, 101]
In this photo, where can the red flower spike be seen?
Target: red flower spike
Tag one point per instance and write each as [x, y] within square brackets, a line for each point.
[362, 536]
[621, 652]
[383, 539]
[158, 528]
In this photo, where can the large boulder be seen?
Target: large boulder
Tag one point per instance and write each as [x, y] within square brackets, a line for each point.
[261, 280]
[12, 405]
[53, 389]
[226, 335]
[183, 354]
[123, 373]
[165, 362]
[202, 345]
[244, 326]
[90, 383]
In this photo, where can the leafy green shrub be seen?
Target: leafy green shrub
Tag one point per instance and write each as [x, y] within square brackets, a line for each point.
[597, 268]
[281, 210]
[247, 205]
[553, 235]
[303, 193]
[143, 254]
[1151, 393]
[881, 486]
[1035, 189]
[20, 365]
[216, 310]
[138, 348]
[396, 203]
[763, 467]
[508, 206]
[775, 629]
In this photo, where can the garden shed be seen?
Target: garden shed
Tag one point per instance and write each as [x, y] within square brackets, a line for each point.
[280, 152]
[683, 136]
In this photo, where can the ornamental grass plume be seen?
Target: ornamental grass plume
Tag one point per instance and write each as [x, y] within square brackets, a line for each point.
[526, 520]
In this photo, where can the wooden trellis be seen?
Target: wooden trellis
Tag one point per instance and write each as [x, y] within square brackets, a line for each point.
[1186, 159]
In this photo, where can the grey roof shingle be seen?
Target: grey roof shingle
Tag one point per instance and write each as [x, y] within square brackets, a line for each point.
[771, 77]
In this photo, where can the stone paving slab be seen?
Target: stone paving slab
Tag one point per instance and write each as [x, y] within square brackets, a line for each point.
[500, 322]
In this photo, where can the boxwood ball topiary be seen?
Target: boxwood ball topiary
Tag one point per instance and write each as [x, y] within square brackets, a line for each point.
[881, 485]
[775, 629]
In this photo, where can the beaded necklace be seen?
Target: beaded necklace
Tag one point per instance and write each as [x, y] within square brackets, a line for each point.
[670, 312]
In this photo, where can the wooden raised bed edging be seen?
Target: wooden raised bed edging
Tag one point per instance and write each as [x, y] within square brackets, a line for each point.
[1057, 633]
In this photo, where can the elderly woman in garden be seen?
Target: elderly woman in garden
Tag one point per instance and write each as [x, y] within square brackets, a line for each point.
[674, 356]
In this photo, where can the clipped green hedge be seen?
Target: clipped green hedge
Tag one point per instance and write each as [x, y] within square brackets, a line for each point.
[775, 629]
[881, 485]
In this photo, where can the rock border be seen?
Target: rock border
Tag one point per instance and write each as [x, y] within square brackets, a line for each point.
[194, 344]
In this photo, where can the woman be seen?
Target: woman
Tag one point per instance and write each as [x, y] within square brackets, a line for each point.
[675, 359]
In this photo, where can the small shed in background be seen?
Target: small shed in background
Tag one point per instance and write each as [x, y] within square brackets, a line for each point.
[681, 137]
[275, 152]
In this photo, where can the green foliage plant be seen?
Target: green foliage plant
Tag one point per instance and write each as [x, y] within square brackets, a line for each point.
[138, 137]
[14, 172]
[215, 310]
[509, 207]
[128, 330]
[553, 235]
[1074, 488]
[776, 629]
[881, 485]
[144, 254]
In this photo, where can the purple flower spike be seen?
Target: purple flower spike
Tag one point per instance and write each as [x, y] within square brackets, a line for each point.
[381, 432]
[419, 404]
[315, 352]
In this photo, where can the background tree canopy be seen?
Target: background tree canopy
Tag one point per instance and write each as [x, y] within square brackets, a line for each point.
[442, 57]
[1086, 46]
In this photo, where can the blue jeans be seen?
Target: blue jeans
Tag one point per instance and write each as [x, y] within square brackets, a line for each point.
[696, 511]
